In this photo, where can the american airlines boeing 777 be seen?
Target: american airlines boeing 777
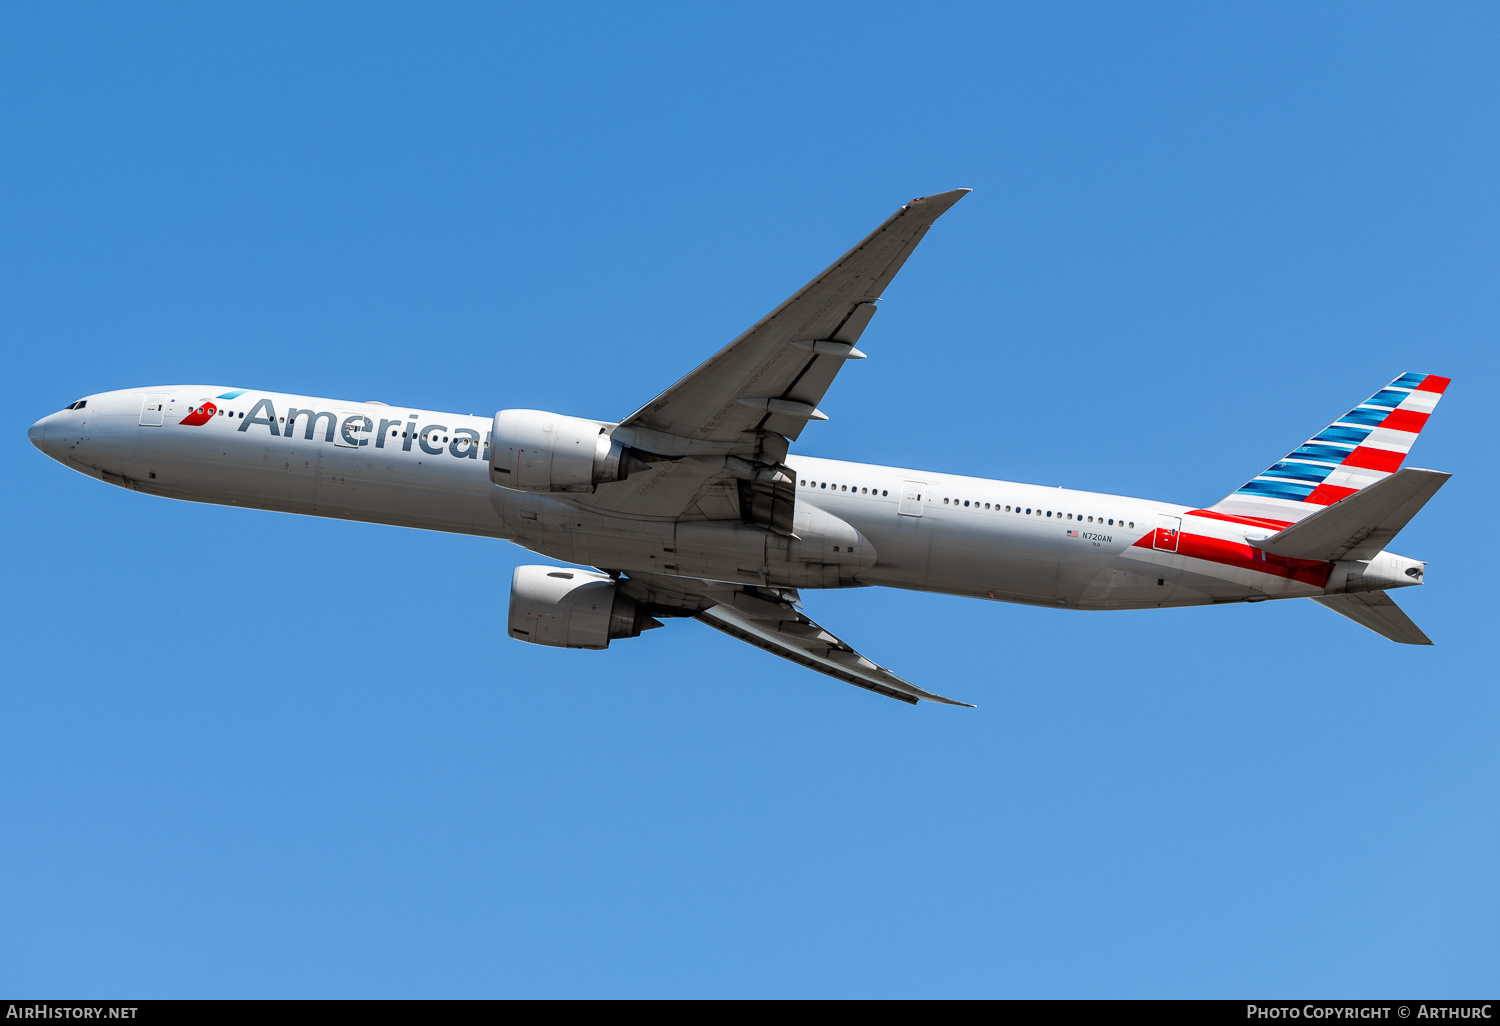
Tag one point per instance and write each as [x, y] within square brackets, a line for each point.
[694, 506]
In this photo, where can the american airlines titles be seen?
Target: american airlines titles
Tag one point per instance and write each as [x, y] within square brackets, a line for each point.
[356, 429]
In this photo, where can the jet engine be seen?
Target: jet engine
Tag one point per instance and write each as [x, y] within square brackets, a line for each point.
[537, 451]
[568, 608]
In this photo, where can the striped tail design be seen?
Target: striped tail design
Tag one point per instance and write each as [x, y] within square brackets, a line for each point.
[1363, 446]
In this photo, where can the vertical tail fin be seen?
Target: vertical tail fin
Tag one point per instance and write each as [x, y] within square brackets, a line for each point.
[1365, 445]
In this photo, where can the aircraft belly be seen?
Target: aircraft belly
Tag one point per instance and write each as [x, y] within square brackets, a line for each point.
[1219, 582]
[903, 549]
[554, 527]
[298, 475]
[1029, 562]
[722, 550]
[1122, 589]
[347, 493]
[945, 553]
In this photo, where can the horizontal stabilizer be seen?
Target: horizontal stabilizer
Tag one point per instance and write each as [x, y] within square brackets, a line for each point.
[1376, 610]
[1361, 525]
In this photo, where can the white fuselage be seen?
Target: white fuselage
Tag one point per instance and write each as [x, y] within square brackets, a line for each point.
[924, 531]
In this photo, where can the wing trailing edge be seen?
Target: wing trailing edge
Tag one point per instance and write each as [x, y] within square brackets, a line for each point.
[769, 619]
[796, 637]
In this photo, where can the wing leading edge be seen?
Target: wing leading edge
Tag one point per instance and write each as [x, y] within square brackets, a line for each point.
[718, 439]
[774, 375]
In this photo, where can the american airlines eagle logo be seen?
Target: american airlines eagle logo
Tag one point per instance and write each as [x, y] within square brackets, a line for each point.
[200, 414]
[206, 410]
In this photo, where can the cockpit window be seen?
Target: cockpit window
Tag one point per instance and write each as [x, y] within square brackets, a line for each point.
[80, 404]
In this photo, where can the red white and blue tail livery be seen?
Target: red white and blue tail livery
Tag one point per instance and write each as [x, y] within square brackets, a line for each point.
[1363, 446]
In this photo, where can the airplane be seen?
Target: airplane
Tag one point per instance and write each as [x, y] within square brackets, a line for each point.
[694, 506]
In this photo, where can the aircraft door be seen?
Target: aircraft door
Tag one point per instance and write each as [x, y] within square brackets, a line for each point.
[911, 498]
[354, 430]
[1168, 530]
[153, 409]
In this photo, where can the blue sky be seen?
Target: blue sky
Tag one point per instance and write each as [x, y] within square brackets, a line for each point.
[248, 754]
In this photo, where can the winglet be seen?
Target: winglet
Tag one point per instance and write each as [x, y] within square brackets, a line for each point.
[938, 204]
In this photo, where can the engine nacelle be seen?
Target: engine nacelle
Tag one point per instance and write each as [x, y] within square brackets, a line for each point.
[537, 451]
[568, 608]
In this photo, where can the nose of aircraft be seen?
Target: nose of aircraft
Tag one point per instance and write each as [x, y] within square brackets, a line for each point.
[49, 436]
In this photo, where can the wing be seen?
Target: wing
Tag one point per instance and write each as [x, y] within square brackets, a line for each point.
[718, 438]
[768, 619]
[729, 394]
